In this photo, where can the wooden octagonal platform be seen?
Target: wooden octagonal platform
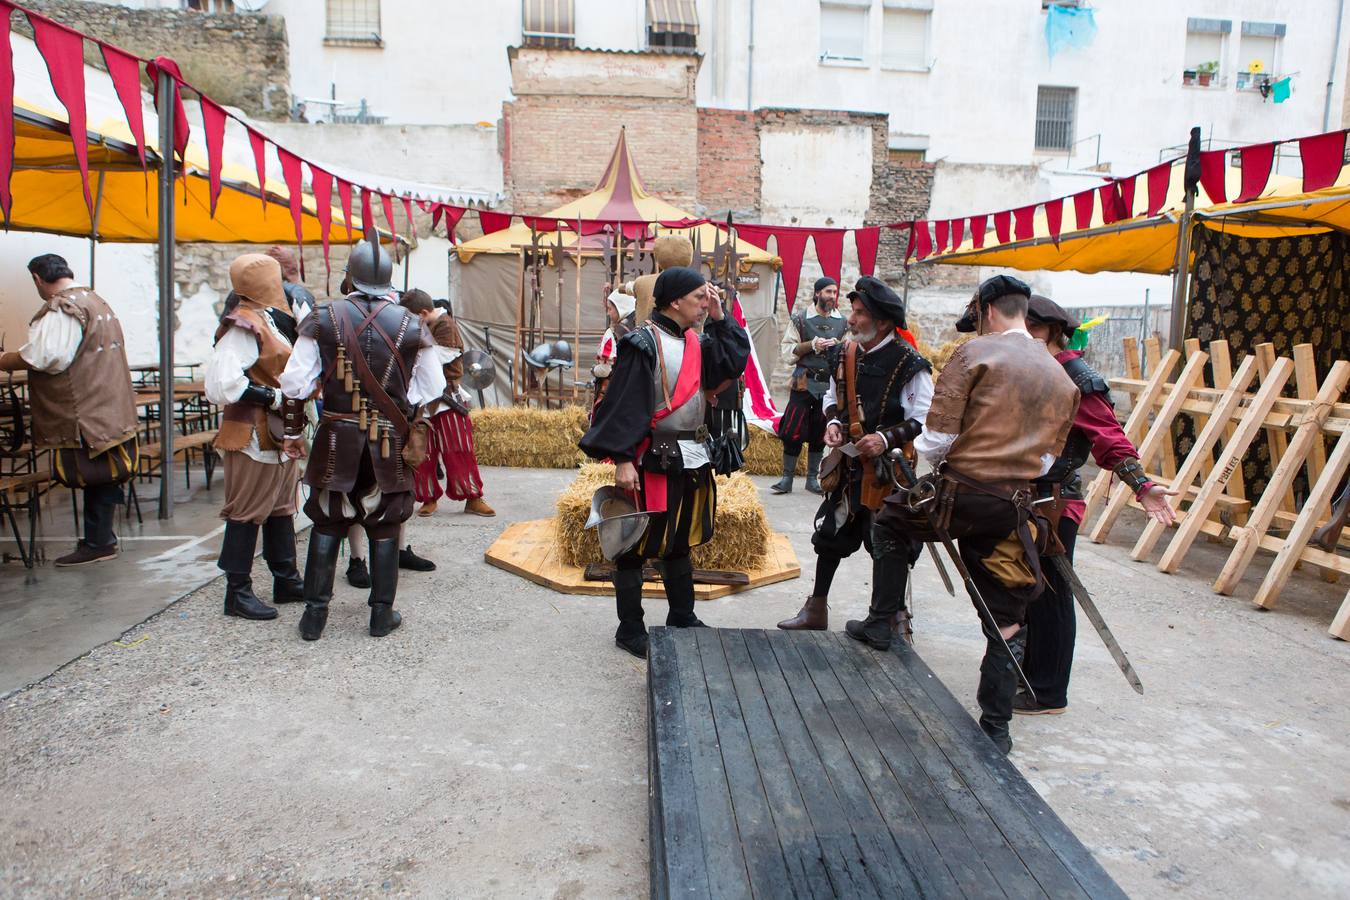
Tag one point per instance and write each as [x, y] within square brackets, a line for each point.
[528, 549]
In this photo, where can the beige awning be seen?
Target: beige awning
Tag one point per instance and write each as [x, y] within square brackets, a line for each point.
[672, 16]
[549, 23]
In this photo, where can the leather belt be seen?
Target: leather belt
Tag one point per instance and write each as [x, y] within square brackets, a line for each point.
[699, 434]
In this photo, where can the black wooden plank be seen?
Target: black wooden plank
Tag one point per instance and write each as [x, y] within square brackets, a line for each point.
[906, 747]
[754, 821]
[796, 836]
[673, 821]
[882, 855]
[840, 854]
[1050, 850]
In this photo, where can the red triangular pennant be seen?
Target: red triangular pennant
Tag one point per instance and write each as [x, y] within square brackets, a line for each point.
[1213, 175]
[125, 72]
[1110, 202]
[754, 234]
[1054, 218]
[407, 216]
[180, 122]
[63, 52]
[867, 240]
[1159, 180]
[367, 220]
[493, 221]
[213, 123]
[958, 233]
[1127, 196]
[1024, 222]
[259, 145]
[1003, 226]
[1082, 209]
[344, 189]
[978, 226]
[387, 204]
[1322, 155]
[829, 252]
[941, 231]
[910, 242]
[452, 216]
[1256, 165]
[291, 174]
[322, 183]
[791, 248]
[923, 241]
[6, 115]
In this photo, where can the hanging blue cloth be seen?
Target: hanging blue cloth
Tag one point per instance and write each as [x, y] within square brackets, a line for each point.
[1069, 27]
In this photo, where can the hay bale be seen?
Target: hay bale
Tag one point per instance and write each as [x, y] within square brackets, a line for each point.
[742, 529]
[942, 354]
[530, 438]
[764, 456]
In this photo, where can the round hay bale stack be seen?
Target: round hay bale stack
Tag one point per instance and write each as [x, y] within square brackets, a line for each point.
[742, 529]
[529, 438]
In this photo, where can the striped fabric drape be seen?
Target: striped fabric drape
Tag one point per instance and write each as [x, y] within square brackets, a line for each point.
[672, 16]
[548, 23]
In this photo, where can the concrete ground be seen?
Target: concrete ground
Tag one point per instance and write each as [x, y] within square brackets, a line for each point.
[496, 745]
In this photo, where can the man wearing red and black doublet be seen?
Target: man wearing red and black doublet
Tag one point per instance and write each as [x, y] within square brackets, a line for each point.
[651, 424]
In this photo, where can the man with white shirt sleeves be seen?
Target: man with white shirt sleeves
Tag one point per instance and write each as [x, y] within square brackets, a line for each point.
[83, 405]
[805, 347]
[253, 344]
[879, 383]
[1001, 411]
[375, 365]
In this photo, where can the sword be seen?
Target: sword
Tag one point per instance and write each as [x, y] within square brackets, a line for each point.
[932, 551]
[1095, 617]
[942, 570]
[898, 459]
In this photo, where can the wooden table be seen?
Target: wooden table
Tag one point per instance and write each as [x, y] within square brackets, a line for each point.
[804, 764]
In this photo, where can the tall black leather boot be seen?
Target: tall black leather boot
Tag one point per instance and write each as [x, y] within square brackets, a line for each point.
[998, 686]
[631, 634]
[383, 586]
[278, 537]
[320, 570]
[784, 486]
[890, 573]
[678, 576]
[236, 561]
[812, 471]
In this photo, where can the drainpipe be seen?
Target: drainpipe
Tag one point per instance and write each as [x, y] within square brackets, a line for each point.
[750, 63]
[1331, 75]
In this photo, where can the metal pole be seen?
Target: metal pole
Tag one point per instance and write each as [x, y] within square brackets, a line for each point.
[1181, 279]
[166, 249]
[93, 229]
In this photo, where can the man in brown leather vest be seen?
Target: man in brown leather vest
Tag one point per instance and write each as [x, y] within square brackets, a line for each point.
[374, 365]
[1001, 410]
[83, 405]
[253, 343]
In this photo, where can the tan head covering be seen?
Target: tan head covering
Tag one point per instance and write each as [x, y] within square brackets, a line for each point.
[257, 280]
[290, 265]
[673, 250]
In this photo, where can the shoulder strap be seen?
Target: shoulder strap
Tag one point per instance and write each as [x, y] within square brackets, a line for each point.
[378, 395]
[855, 424]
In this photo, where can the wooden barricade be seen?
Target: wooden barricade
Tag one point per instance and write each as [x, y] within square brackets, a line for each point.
[1239, 409]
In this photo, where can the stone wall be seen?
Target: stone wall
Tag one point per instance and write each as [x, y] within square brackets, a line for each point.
[237, 60]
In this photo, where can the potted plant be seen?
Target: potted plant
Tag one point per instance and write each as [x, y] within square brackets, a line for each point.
[1188, 76]
[1205, 71]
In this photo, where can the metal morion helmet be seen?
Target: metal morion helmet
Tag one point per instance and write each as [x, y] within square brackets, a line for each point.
[371, 269]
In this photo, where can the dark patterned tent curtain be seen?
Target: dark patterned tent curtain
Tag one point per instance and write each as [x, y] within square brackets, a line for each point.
[1284, 291]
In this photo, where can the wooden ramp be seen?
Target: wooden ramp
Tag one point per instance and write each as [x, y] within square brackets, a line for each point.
[801, 764]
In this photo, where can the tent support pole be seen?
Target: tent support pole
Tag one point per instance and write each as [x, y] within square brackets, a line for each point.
[93, 231]
[166, 252]
[1181, 278]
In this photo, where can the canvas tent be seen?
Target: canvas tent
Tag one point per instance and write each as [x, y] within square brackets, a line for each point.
[485, 273]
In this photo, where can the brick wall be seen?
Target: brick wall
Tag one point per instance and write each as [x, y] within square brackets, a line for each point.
[238, 60]
[728, 163]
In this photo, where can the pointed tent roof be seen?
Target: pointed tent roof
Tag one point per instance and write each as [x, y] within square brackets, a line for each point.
[620, 195]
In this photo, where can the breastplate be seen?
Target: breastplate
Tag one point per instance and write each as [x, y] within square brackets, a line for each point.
[402, 329]
[690, 415]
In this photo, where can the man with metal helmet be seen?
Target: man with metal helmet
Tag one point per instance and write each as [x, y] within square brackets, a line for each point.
[809, 336]
[1001, 410]
[651, 425]
[375, 365]
[878, 390]
[1051, 625]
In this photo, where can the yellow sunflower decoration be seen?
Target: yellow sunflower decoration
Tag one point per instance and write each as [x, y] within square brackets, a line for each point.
[1256, 67]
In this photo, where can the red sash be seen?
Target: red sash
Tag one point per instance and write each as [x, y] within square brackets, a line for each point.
[686, 385]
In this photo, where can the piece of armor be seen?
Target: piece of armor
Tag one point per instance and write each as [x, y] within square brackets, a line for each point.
[812, 372]
[620, 525]
[355, 419]
[258, 395]
[1131, 472]
[689, 416]
[300, 300]
[1078, 446]
[371, 268]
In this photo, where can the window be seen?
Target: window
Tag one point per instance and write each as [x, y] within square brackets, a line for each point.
[353, 22]
[904, 37]
[672, 25]
[548, 23]
[843, 30]
[1258, 54]
[1206, 41]
[220, 7]
[1055, 111]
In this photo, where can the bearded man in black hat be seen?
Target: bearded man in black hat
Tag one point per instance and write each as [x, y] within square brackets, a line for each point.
[879, 388]
[374, 364]
[650, 423]
[810, 335]
[1000, 413]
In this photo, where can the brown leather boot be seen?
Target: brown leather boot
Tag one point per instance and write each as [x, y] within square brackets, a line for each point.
[902, 626]
[815, 616]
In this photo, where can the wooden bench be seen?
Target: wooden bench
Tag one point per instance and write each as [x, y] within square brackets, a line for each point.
[31, 484]
[184, 445]
[803, 764]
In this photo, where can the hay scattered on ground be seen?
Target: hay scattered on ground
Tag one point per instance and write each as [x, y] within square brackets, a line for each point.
[529, 438]
[741, 542]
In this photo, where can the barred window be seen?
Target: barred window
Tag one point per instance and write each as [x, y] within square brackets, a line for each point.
[1056, 109]
[353, 22]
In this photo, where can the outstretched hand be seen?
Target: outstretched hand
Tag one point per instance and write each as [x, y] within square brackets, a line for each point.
[1154, 502]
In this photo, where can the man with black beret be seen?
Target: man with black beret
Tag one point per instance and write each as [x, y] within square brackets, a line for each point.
[879, 390]
[809, 336]
[1000, 413]
[650, 424]
[1051, 627]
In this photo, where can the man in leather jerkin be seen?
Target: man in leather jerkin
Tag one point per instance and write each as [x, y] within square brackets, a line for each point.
[253, 343]
[1001, 410]
[650, 423]
[805, 346]
[893, 385]
[375, 365]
